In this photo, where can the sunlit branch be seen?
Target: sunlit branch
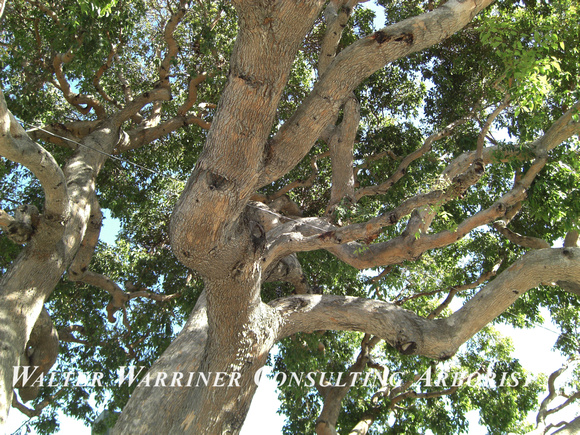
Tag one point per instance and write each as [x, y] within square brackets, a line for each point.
[407, 160]
[17, 146]
[487, 125]
[172, 47]
[118, 295]
[352, 65]
[560, 130]
[341, 146]
[142, 136]
[83, 103]
[37, 410]
[336, 15]
[87, 248]
[133, 107]
[191, 94]
[63, 134]
[334, 394]
[284, 243]
[451, 291]
[518, 239]
[411, 334]
[544, 410]
[99, 74]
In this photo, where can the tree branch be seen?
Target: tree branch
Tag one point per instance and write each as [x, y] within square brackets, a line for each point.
[544, 410]
[487, 126]
[451, 291]
[518, 239]
[30, 413]
[64, 134]
[336, 15]
[97, 78]
[66, 334]
[17, 146]
[172, 47]
[83, 103]
[333, 395]
[191, 94]
[86, 250]
[284, 242]
[134, 106]
[351, 67]
[410, 334]
[402, 169]
[142, 136]
[341, 154]
[119, 297]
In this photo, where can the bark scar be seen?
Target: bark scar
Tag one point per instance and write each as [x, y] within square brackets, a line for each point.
[215, 181]
[382, 37]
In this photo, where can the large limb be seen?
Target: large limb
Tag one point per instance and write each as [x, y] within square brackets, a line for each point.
[16, 145]
[142, 135]
[341, 137]
[63, 222]
[350, 67]
[413, 335]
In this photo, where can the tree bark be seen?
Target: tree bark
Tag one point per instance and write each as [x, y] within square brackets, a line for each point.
[211, 230]
[34, 274]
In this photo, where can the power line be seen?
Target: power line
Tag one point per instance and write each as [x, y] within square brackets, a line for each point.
[112, 156]
[149, 170]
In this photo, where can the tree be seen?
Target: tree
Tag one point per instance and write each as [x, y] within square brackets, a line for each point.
[321, 149]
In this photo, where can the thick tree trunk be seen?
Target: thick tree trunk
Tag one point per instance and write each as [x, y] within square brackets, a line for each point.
[32, 277]
[229, 355]
[211, 231]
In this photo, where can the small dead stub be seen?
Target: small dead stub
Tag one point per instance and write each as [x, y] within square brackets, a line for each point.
[407, 348]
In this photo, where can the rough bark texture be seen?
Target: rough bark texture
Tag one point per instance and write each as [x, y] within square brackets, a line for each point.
[215, 231]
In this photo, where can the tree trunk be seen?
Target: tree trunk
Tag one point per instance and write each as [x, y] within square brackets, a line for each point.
[211, 229]
[32, 277]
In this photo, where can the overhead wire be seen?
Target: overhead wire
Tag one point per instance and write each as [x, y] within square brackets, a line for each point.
[152, 171]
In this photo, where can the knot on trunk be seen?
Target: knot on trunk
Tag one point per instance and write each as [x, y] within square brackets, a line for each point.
[23, 226]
